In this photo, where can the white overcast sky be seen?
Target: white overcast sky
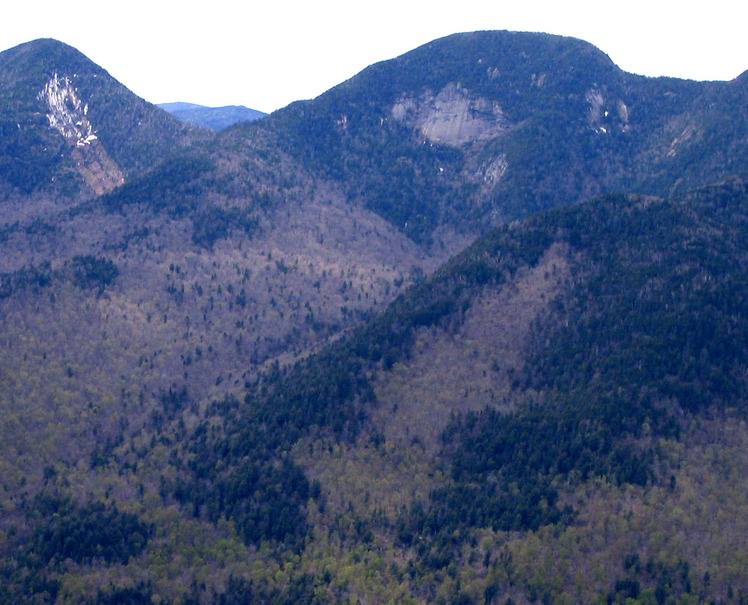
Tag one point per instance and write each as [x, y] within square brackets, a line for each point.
[266, 55]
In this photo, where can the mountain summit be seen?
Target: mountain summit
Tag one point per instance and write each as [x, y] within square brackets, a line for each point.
[480, 128]
[70, 128]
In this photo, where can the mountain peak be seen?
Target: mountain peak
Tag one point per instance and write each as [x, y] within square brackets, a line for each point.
[523, 43]
[485, 59]
[70, 126]
[39, 59]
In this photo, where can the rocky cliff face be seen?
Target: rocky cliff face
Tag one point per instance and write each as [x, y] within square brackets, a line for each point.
[68, 115]
[452, 117]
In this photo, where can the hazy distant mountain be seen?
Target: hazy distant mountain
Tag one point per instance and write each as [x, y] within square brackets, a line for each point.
[242, 367]
[215, 118]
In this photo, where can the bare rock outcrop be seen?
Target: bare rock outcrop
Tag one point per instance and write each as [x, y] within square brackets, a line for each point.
[452, 117]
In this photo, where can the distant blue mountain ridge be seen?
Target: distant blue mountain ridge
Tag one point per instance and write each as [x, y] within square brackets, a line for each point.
[215, 118]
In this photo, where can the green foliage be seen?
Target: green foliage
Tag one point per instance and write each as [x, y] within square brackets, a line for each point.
[212, 223]
[652, 582]
[662, 304]
[242, 472]
[546, 441]
[86, 272]
[648, 335]
[142, 593]
[25, 583]
[59, 531]
[28, 277]
[93, 272]
[303, 589]
[264, 497]
[178, 188]
[655, 327]
[83, 534]
[174, 187]
[506, 468]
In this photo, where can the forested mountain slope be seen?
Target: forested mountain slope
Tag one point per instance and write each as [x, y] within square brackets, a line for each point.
[70, 131]
[478, 128]
[568, 394]
[239, 372]
[587, 358]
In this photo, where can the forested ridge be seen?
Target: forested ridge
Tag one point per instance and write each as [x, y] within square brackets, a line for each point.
[470, 327]
[590, 419]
